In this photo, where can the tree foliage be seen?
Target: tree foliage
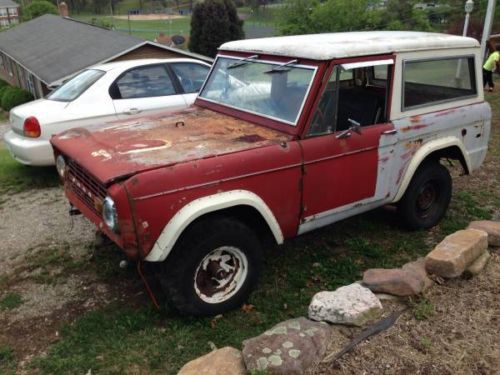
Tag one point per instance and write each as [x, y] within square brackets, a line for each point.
[38, 8]
[303, 16]
[214, 22]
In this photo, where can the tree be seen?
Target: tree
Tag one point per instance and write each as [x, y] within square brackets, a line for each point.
[296, 17]
[402, 15]
[38, 8]
[340, 15]
[213, 23]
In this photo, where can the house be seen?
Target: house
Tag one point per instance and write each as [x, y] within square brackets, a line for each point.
[50, 49]
[9, 13]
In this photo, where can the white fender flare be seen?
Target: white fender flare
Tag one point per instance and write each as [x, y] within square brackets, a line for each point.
[425, 150]
[201, 206]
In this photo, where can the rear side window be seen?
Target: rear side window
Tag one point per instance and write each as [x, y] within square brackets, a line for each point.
[428, 82]
[143, 82]
[76, 86]
[190, 75]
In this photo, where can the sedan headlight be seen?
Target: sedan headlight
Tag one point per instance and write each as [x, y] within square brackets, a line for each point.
[109, 214]
[61, 166]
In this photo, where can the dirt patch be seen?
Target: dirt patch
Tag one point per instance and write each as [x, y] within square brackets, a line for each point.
[460, 335]
[150, 17]
[37, 218]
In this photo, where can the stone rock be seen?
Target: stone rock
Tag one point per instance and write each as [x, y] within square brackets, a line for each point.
[352, 305]
[479, 264]
[225, 361]
[490, 227]
[456, 252]
[409, 280]
[290, 347]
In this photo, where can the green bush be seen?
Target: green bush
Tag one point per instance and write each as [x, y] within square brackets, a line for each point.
[3, 83]
[2, 89]
[38, 8]
[14, 96]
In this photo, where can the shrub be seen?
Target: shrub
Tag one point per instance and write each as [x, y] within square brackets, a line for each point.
[2, 89]
[3, 83]
[214, 22]
[38, 8]
[14, 96]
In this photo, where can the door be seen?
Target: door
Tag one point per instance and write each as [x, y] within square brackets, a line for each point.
[191, 77]
[145, 89]
[349, 146]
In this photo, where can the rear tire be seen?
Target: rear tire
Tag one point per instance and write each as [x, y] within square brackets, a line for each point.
[212, 269]
[427, 197]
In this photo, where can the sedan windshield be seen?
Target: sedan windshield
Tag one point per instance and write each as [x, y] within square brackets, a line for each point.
[76, 86]
[272, 89]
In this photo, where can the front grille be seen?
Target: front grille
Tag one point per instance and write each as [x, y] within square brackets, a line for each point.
[87, 188]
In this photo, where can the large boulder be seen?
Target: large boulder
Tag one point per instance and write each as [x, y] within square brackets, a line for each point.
[290, 347]
[456, 252]
[490, 227]
[352, 305]
[225, 361]
[409, 280]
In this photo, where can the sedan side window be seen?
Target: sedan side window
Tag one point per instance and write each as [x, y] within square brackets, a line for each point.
[191, 76]
[143, 82]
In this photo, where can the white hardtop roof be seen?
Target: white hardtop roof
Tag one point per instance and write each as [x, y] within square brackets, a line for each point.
[349, 44]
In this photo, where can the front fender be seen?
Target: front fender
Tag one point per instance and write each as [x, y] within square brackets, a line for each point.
[201, 206]
[423, 152]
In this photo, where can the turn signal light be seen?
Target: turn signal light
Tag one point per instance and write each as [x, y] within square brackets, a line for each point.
[31, 127]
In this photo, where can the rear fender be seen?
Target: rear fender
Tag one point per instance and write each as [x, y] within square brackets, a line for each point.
[423, 153]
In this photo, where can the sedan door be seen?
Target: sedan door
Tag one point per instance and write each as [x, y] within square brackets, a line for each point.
[191, 76]
[144, 90]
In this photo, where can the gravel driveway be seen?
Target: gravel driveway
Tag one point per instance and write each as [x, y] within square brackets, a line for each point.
[36, 218]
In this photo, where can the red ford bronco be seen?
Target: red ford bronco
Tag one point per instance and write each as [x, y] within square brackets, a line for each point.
[288, 134]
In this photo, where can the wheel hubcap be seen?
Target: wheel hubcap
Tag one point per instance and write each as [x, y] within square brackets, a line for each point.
[221, 274]
[426, 198]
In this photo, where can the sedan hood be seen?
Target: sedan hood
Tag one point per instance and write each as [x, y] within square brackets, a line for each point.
[124, 148]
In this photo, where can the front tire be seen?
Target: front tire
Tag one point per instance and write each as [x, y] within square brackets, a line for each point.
[213, 268]
[427, 197]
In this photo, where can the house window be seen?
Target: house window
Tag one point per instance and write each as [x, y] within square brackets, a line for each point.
[3, 12]
[13, 11]
[428, 82]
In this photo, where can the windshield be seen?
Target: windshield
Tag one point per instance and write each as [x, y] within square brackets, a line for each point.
[76, 86]
[272, 89]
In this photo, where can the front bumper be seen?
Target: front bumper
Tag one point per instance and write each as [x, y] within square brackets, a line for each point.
[29, 151]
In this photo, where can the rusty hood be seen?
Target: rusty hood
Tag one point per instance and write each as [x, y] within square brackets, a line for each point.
[123, 148]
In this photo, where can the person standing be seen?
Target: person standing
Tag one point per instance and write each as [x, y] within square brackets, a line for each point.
[492, 63]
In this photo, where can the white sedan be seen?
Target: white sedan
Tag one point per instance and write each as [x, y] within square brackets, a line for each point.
[102, 93]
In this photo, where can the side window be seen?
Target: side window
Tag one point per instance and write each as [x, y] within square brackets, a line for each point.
[428, 82]
[356, 94]
[190, 75]
[143, 82]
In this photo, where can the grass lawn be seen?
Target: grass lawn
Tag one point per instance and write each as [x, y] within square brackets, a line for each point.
[15, 177]
[122, 338]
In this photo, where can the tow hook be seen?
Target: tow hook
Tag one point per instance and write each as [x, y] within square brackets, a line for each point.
[74, 211]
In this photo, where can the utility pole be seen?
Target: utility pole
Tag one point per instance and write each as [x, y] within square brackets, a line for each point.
[488, 24]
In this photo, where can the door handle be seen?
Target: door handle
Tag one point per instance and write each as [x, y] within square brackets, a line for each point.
[390, 132]
[133, 111]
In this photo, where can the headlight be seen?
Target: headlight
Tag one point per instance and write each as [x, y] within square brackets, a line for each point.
[61, 166]
[109, 214]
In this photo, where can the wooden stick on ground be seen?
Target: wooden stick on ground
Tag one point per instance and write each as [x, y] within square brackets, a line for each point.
[374, 329]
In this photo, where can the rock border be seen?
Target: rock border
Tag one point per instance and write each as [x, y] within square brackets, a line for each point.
[464, 252]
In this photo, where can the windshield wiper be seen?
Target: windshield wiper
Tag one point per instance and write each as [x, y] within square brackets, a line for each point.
[282, 67]
[242, 61]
